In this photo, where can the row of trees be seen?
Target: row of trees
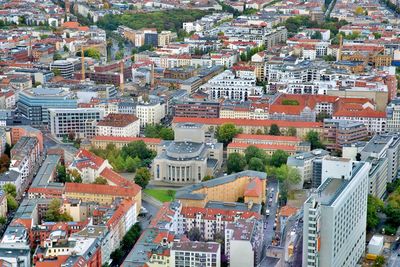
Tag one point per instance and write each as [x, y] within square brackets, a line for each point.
[126, 244]
[295, 23]
[11, 193]
[246, 56]
[129, 158]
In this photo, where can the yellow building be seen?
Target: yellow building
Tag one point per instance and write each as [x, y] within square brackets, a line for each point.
[251, 185]
[119, 142]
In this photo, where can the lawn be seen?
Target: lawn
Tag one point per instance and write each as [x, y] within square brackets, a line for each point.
[161, 194]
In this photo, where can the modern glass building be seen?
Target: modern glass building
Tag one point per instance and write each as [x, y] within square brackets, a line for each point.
[34, 103]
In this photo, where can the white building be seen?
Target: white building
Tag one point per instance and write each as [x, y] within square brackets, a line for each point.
[81, 122]
[122, 125]
[195, 254]
[231, 86]
[335, 220]
[150, 113]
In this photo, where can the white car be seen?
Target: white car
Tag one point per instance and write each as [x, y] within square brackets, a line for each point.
[267, 212]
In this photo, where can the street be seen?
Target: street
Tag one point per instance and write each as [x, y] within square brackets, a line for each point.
[144, 220]
[269, 232]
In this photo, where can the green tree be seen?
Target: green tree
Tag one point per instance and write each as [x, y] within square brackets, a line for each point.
[279, 157]
[167, 133]
[254, 152]
[132, 164]
[359, 11]
[10, 189]
[117, 255]
[313, 138]
[329, 58]
[3, 220]
[142, 177]
[100, 180]
[119, 164]
[119, 55]
[235, 163]
[226, 132]
[12, 204]
[57, 56]
[207, 177]
[274, 130]
[379, 261]
[56, 72]
[54, 214]
[316, 35]
[291, 131]
[65, 48]
[256, 164]
[137, 149]
[374, 205]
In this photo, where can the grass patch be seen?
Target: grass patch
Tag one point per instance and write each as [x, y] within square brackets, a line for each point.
[161, 194]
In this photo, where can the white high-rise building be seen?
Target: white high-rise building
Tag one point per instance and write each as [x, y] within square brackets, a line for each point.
[335, 220]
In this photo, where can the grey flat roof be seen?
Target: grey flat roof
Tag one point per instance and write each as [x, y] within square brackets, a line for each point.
[233, 206]
[377, 143]
[46, 170]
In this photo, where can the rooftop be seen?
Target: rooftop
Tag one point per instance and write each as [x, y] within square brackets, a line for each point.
[207, 247]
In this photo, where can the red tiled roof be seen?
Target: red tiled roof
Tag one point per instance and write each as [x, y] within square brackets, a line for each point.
[267, 137]
[116, 178]
[287, 211]
[83, 153]
[117, 120]
[247, 122]
[123, 207]
[102, 189]
[263, 146]
[254, 188]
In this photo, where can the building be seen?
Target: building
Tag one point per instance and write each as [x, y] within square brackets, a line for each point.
[16, 132]
[393, 116]
[25, 157]
[3, 204]
[12, 177]
[189, 158]
[232, 86]
[253, 126]
[15, 255]
[80, 122]
[334, 217]
[34, 103]
[338, 133]
[150, 113]
[195, 254]
[309, 166]
[251, 185]
[121, 125]
[65, 67]
[119, 142]
[197, 109]
[244, 242]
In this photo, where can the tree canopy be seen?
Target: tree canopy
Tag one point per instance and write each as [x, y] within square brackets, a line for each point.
[236, 163]
[313, 138]
[274, 130]
[279, 157]
[142, 177]
[159, 131]
[54, 214]
[226, 132]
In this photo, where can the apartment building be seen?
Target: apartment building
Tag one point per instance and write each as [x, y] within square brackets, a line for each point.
[195, 254]
[121, 125]
[65, 67]
[150, 113]
[334, 228]
[25, 156]
[309, 166]
[197, 109]
[338, 133]
[81, 122]
[119, 142]
[243, 242]
[232, 86]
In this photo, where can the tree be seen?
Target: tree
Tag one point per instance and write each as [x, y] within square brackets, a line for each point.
[256, 164]
[235, 163]
[3, 220]
[10, 189]
[171, 193]
[119, 164]
[62, 175]
[117, 255]
[4, 163]
[254, 152]
[56, 72]
[226, 132]
[100, 180]
[377, 35]
[137, 149]
[90, 52]
[119, 55]
[374, 205]
[194, 234]
[274, 130]
[54, 214]
[313, 138]
[166, 134]
[65, 48]
[329, 58]
[279, 157]
[291, 131]
[379, 261]
[142, 177]
[12, 204]
[132, 164]
[207, 177]
[316, 35]
[57, 56]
